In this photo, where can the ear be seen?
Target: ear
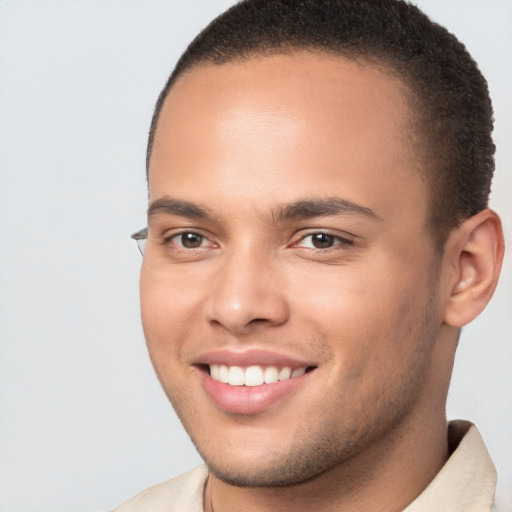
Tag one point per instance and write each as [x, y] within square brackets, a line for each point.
[475, 254]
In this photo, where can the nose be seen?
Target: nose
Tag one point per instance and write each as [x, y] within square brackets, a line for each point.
[247, 293]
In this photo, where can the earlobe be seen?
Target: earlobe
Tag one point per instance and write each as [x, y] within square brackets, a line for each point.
[475, 251]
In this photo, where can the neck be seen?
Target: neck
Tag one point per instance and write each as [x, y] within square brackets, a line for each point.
[388, 476]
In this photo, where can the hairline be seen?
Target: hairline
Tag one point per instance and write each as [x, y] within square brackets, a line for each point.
[371, 58]
[419, 145]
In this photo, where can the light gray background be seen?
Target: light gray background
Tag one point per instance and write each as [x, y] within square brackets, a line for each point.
[83, 422]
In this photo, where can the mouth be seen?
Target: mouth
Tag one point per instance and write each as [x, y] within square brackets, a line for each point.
[251, 381]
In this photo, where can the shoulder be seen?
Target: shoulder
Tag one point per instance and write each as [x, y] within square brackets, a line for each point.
[181, 494]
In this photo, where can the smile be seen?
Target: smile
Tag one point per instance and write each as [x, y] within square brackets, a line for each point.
[252, 381]
[254, 375]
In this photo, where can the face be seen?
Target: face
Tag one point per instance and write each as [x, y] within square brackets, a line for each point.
[288, 286]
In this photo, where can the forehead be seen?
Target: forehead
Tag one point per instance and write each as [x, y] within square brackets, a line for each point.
[275, 120]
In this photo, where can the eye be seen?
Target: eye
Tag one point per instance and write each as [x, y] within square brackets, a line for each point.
[322, 240]
[189, 240]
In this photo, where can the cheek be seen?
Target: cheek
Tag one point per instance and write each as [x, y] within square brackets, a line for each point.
[348, 300]
[368, 319]
[168, 314]
[167, 318]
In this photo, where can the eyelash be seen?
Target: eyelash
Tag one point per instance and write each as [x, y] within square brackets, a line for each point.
[168, 240]
[338, 240]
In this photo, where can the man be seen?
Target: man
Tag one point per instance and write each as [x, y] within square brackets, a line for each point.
[318, 234]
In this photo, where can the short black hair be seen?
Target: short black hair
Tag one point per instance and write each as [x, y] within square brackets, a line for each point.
[449, 96]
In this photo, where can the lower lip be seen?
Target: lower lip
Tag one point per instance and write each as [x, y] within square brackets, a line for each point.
[249, 399]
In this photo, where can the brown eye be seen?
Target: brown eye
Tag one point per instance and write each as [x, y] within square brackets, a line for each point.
[322, 240]
[191, 240]
[188, 246]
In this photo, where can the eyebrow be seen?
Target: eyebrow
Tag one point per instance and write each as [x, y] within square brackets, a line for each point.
[170, 206]
[311, 208]
[302, 209]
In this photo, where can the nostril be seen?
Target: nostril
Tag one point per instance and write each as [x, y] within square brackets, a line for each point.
[259, 320]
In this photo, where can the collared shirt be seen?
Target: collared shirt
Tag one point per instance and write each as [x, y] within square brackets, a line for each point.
[466, 483]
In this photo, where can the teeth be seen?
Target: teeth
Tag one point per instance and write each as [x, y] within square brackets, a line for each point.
[270, 375]
[236, 376]
[252, 375]
[223, 374]
[214, 371]
[298, 371]
[285, 374]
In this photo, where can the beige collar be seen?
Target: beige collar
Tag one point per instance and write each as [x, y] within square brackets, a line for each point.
[467, 481]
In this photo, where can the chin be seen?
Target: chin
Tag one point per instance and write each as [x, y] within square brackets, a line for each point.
[281, 475]
[294, 464]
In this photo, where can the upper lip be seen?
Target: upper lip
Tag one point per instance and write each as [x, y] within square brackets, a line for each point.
[250, 357]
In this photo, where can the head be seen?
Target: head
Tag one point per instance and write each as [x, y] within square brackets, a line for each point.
[317, 234]
[447, 94]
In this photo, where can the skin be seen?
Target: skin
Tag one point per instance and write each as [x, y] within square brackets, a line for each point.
[375, 313]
